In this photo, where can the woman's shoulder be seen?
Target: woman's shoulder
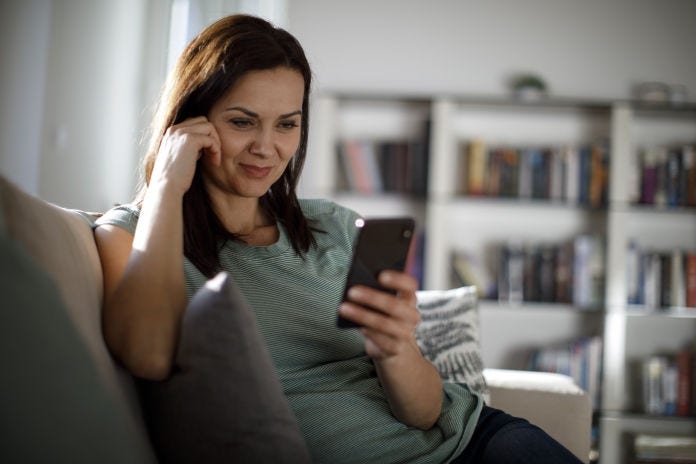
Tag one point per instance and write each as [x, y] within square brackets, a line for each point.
[124, 216]
[320, 209]
[334, 222]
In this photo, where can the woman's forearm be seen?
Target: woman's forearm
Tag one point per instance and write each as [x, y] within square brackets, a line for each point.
[413, 387]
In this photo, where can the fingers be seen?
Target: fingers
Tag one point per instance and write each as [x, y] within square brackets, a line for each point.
[182, 145]
[200, 134]
[388, 321]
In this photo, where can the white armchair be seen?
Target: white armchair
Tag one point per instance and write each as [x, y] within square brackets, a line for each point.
[554, 402]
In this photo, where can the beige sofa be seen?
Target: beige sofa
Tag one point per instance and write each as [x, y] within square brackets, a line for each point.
[67, 401]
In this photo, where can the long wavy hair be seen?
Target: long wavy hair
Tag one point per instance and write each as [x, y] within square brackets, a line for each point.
[209, 66]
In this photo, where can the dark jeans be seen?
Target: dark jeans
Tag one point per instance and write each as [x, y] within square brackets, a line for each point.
[500, 438]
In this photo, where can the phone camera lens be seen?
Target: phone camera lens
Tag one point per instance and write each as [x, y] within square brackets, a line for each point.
[406, 234]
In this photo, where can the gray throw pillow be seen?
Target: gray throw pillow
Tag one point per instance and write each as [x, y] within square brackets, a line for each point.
[54, 404]
[448, 335]
[223, 401]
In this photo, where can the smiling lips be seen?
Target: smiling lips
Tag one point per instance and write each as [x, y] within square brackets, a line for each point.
[256, 172]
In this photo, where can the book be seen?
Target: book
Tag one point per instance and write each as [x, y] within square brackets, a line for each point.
[598, 176]
[511, 273]
[651, 265]
[524, 185]
[664, 448]
[665, 280]
[580, 359]
[557, 157]
[509, 173]
[633, 273]
[648, 176]
[673, 177]
[660, 194]
[690, 279]
[572, 174]
[360, 165]
[476, 162]
[588, 271]
[677, 288]
[469, 269]
[684, 364]
[689, 166]
[653, 370]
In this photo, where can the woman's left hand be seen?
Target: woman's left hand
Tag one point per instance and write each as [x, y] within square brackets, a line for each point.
[387, 321]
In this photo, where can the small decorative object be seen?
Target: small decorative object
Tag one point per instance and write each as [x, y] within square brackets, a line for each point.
[652, 92]
[528, 87]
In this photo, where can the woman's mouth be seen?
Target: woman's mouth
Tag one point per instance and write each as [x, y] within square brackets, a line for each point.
[256, 172]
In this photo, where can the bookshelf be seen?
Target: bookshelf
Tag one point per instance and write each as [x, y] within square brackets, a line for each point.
[635, 332]
[477, 226]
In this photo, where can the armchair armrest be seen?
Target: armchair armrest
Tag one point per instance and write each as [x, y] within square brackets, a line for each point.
[551, 401]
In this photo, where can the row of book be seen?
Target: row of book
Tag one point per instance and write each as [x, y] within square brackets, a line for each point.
[572, 174]
[571, 272]
[580, 359]
[664, 449]
[669, 384]
[373, 167]
[660, 278]
[666, 176]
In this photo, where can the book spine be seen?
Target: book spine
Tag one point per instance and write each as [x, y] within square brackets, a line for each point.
[653, 370]
[690, 279]
[572, 175]
[476, 167]
[633, 277]
[677, 289]
[649, 176]
[684, 378]
[689, 165]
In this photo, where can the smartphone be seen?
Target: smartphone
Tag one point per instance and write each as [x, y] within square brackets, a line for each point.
[382, 243]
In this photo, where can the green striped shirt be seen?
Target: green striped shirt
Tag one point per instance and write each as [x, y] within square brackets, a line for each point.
[328, 379]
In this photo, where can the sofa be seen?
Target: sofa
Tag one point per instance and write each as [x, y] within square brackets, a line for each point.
[64, 399]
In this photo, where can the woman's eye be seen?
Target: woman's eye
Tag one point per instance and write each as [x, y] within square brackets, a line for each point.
[288, 124]
[241, 123]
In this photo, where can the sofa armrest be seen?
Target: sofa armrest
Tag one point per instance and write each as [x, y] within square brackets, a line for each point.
[551, 401]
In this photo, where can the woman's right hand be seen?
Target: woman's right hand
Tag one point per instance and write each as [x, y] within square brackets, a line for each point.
[181, 147]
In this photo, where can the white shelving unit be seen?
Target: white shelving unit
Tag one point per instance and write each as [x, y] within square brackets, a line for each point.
[452, 221]
[634, 333]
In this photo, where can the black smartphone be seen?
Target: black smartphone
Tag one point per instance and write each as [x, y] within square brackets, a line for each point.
[382, 243]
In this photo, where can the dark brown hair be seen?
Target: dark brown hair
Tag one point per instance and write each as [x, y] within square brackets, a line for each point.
[209, 66]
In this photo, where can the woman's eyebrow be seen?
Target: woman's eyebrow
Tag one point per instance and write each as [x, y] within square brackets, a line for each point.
[252, 114]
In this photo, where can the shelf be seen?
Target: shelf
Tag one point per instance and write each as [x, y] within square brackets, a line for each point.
[516, 202]
[637, 416]
[653, 210]
[538, 307]
[638, 311]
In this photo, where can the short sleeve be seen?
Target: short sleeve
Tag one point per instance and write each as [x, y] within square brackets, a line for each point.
[123, 216]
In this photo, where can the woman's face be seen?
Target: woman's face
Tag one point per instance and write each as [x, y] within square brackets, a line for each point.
[258, 121]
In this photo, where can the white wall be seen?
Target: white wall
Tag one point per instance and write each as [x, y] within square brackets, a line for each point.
[583, 48]
[92, 102]
[71, 98]
[24, 35]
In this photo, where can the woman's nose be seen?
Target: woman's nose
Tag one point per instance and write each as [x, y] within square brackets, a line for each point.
[262, 144]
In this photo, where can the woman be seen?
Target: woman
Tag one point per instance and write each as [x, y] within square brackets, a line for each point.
[228, 144]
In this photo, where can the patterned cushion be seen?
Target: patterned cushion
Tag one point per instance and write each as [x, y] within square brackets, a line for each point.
[448, 335]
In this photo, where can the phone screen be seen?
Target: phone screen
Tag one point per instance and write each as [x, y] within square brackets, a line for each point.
[382, 243]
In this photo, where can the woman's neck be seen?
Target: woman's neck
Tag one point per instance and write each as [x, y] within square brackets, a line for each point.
[245, 218]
